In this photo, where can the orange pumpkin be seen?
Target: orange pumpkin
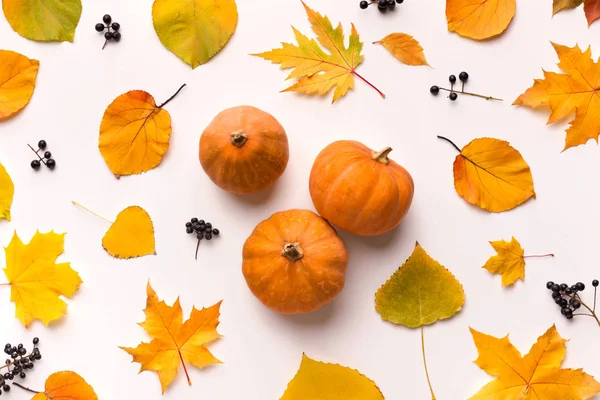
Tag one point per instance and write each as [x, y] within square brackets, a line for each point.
[360, 190]
[244, 150]
[294, 262]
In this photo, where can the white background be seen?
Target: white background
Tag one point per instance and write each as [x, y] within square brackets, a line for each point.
[261, 349]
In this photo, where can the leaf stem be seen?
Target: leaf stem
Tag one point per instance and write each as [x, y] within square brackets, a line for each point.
[4, 284]
[540, 255]
[425, 362]
[369, 83]
[184, 368]
[449, 141]
[172, 97]
[91, 212]
[471, 94]
[25, 388]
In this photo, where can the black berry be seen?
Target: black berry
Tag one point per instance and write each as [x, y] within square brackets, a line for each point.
[51, 163]
[201, 222]
[107, 19]
[580, 286]
[216, 232]
[575, 304]
[563, 302]
[555, 295]
[116, 36]
[452, 78]
[99, 28]
[47, 155]
[568, 291]
[463, 76]
[364, 4]
[208, 226]
[453, 96]
[574, 288]
[399, 1]
[382, 5]
[549, 285]
[595, 283]
[108, 35]
[567, 312]
[434, 90]
[116, 26]
[22, 375]
[194, 220]
[188, 224]
[563, 286]
[42, 144]
[391, 4]
[189, 230]
[208, 236]
[35, 164]
[6, 388]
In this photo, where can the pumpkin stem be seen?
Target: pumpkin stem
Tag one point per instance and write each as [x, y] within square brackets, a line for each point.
[382, 156]
[293, 251]
[239, 138]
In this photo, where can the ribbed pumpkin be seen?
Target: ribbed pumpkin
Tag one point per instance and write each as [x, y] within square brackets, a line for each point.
[244, 150]
[294, 262]
[360, 190]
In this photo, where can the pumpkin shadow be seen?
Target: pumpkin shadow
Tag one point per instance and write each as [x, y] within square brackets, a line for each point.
[380, 241]
[308, 320]
[258, 198]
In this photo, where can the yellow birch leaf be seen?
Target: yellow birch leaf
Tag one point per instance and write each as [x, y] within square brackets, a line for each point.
[131, 235]
[194, 30]
[405, 48]
[479, 20]
[175, 342]
[492, 175]
[316, 71]
[17, 82]
[36, 281]
[7, 191]
[66, 385]
[134, 133]
[43, 20]
[536, 376]
[560, 5]
[323, 381]
[577, 91]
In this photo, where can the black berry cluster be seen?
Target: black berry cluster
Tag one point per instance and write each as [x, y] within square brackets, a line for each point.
[382, 5]
[18, 363]
[463, 77]
[568, 298]
[112, 29]
[47, 159]
[202, 229]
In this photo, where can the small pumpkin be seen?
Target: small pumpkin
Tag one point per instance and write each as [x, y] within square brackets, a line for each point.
[244, 150]
[360, 190]
[294, 262]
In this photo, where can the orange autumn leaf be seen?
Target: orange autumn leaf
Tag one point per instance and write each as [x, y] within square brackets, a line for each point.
[66, 385]
[134, 133]
[592, 10]
[492, 175]
[17, 82]
[405, 48]
[576, 91]
[174, 342]
[479, 20]
[536, 376]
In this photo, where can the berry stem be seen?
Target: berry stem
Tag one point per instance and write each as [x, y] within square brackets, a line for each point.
[595, 293]
[25, 388]
[449, 141]
[37, 154]
[540, 255]
[11, 363]
[369, 83]
[105, 43]
[172, 97]
[593, 312]
[197, 247]
[471, 94]
[184, 368]
[91, 212]
[425, 362]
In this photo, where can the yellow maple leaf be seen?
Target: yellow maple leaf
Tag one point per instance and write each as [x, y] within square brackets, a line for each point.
[134, 133]
[36, 281]
[405, 48]
[66, 385]
[174, 342]
[492, 175]
[194, 30]
[509, 262]
[7, 191]
[536, 376]
[17, 82]
[479, 20]
[316, 71]
[575, 91]
[324, 381]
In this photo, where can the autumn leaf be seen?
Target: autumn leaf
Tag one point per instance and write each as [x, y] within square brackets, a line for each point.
[36, 281]
[592, 10]
[405, 48]
[43, 20]
[7, 191]
[66, 385]
[510, 261]
[135, 132]
[536, 376]
[560, 5]
[318, 71]
[492, 175]
[17, 82]
[194, 30]
[575, 91]
[479, 20]
[421, 292]
[324, 381]
[175, 343]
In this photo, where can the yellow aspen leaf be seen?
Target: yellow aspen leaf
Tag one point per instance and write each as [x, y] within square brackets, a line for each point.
[536, 376]
[421, 292]
[510, 261]
[17, 82]
[491, 174]
[66, 385]
[134, 133]
[316, 71]
[36, 281]
[576, 91]
[560, 5]
[592, 10]
[324, 381]
[174, 342]
[43, 20]
[479, 20]
[194, 30]
[7, 191]
[405, 48]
